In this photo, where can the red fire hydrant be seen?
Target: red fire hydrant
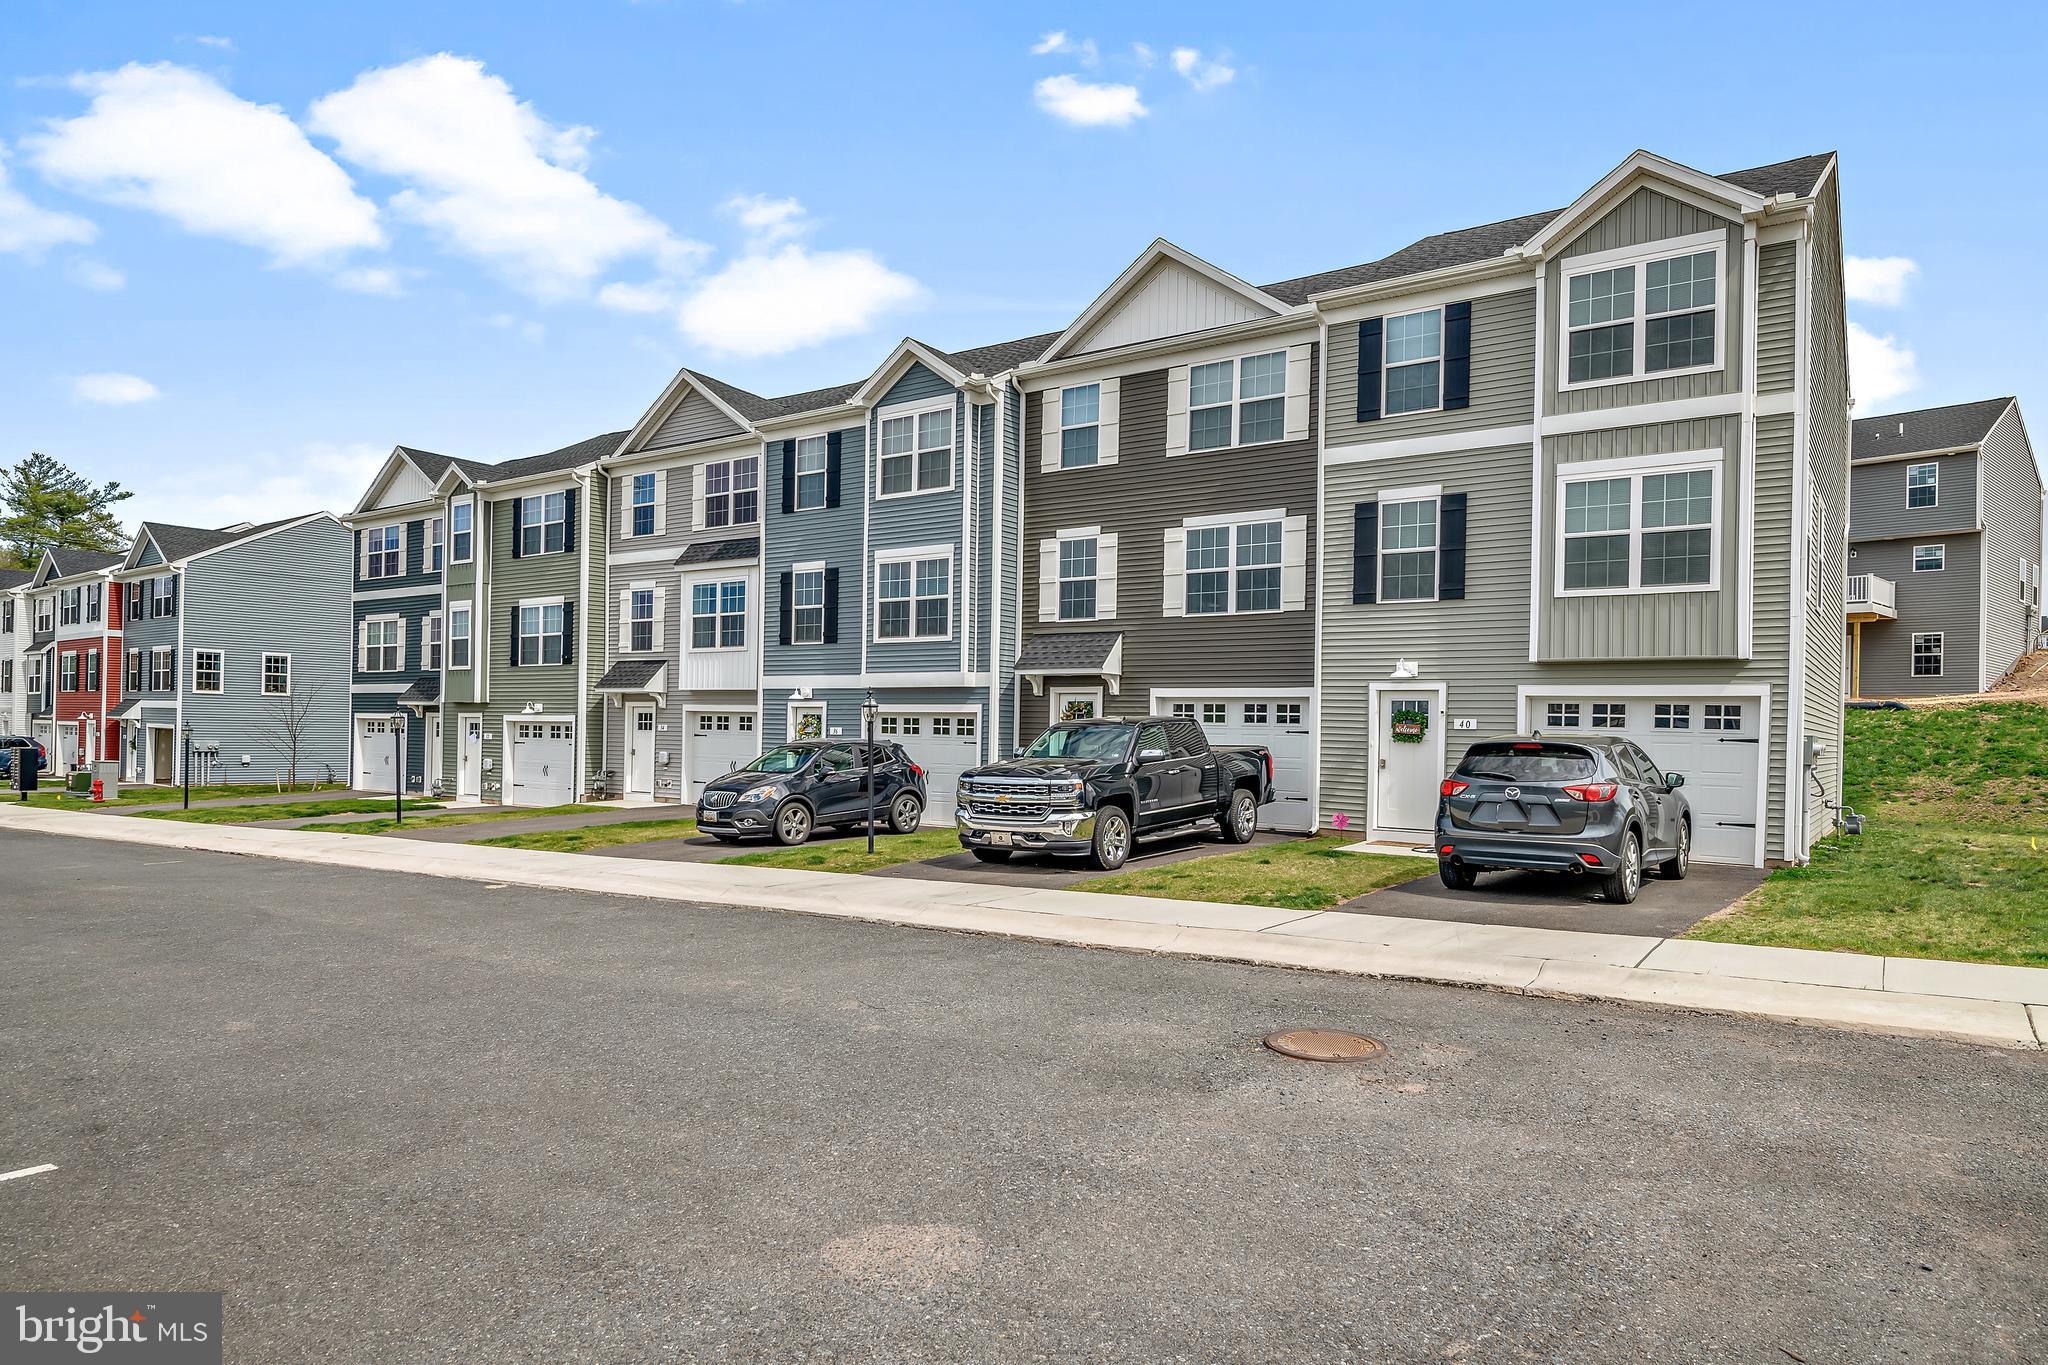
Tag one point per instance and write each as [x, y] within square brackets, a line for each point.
[99, 791]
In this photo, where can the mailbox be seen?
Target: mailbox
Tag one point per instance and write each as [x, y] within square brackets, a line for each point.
[26, 770]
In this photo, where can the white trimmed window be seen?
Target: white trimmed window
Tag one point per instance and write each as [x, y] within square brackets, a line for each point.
[1930, 558]
[541, 633]
[437, 543]
[1923, 485]
[458, 635]
[134, 681]
[1078, 564]
[1412, 363]
[914, 596]
[1238, 402]
[383, 644]
[1638, 313]
[163, 669]
[384, 552]
[732, 492]
[206, 670]
[163, 595]
[643, 504]
[813, 454]
[67, 671]
[432, 645]
[718, 614]
[1408, 545]
[543, 523]
[1080, 430]
[916, 453]
[1639, 528]
[1233, 568]
[640, 618]
[807, 607]
[461, 530]
[277, 675]
[70, 607]
[1927, 655]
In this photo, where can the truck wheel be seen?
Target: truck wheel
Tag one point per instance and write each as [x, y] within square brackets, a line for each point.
[1240, 819]
[792, 824]
[1621, 888]
[1112, 842]
[991, 855]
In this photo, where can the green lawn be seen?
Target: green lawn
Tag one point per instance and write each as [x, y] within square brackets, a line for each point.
[52, 794]
[850, 854]
[278, 810]
[593, 837]
[466, 817]
[1954, 863]
[1305, 874]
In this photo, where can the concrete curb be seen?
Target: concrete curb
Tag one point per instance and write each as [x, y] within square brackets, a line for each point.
[1991, 1005]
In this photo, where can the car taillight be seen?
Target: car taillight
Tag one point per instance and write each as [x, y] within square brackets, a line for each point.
[916, 769]
[1452, 786]
[1590, 859]
[1591, 791]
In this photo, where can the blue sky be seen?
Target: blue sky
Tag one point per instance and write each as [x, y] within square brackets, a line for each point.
[246, 248]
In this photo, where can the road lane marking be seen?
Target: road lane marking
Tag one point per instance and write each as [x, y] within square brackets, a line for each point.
[26, 1170]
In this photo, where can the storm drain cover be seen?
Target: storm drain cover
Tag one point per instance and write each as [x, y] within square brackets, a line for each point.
[1325, 1045]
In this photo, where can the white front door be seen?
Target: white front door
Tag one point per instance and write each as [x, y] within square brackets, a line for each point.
[1075, 703]
[1408, 760]
[944, 744]
[433, 754]
[541, 768]
[640, 752]
[715, 743]
[806, 721]
[469, 757]
[376, 754]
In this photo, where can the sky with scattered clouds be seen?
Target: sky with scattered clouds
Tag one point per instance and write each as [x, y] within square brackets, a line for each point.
[260, 244]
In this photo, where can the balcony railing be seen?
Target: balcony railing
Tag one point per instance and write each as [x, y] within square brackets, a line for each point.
[1872, 595]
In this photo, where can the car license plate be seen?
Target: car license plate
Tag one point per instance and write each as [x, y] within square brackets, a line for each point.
[710, 817]
[999, 839]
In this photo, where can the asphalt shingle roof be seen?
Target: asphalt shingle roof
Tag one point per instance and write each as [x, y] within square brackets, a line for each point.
[69, 562]
[718, 551]
[629, 675]
[14, 578]
[1080, 651]
[425, 691]
[568, 457]
[1952, 427]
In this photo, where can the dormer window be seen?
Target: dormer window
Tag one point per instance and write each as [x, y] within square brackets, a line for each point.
[1643, 312]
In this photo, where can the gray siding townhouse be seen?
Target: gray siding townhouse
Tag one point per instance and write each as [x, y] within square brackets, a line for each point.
[1944, 591]
[1584, 471]
[1170, 482]
[240, 634]
[679, 699]
[14, 638]
[519, 690]
[402, 535]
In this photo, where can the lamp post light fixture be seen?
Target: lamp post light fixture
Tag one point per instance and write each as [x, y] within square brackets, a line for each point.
[869, 708]
[398, 768]
[187, 774]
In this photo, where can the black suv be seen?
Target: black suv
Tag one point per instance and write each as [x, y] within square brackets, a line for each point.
[789, 791]
[1597, 805]
[10, 745]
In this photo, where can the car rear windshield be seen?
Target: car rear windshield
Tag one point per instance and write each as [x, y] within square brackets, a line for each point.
[1528, 762]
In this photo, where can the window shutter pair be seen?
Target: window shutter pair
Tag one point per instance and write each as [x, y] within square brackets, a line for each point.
[518, 539]
[1456, 374]
[832, 469]
[788, 481]
[831, 606]
[788, 608]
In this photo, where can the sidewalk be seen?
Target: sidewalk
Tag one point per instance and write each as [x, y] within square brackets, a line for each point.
[1997, 1006]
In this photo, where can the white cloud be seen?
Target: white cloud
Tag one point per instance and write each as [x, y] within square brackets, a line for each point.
[491, 177]
[1143, 55]
[1878, 280]
[1087, 104]
[176, 142]
[1055, 41]
[772, 300]
[96, 275]
[1058, 43]
[651, 297]
[767, 219]
[372, 279]
[265, 486]
[214, 40]
[112, 389]
[1880, 369]
[30, 231]
[1204, 76]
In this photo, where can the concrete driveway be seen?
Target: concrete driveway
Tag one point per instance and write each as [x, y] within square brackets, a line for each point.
[1039, 871]
[1548, 900]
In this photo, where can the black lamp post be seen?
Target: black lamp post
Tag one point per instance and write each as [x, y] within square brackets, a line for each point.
[868, 710]
[398, 769]
[187, 774]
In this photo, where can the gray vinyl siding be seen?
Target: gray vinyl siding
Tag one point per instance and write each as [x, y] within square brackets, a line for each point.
[920, 519]
[1503, 376]
[672, 735]
[150, 554]
[1012, 580]
[982, 419]
[1943, 601]
[593, 631]
[1661, 625]
[831, 535]
[2012, 544]
[380, 689]
[1644, 218]
[285, 593]
[1877, 498]
[696, 418]
[461, 585]
[1827, 455]
[1777, 307]
[1137, 499]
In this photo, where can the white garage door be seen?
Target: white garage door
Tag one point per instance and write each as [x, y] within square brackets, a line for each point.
[1714, 741]
[715, 744]
[945, 745]
[376, 755]
[1281, 724]
[543, 764]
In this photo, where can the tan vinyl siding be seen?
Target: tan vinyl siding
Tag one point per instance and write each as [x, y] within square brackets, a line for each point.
[1777, 306]
[1503, 375]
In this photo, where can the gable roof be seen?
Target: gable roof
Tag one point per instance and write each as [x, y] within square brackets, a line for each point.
[1162, 253]
[1908, 433]
[586, 451]
[69, 563]
[177, 543]
[14, 578]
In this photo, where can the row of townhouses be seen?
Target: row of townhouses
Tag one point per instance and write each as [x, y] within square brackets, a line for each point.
[1587, 469]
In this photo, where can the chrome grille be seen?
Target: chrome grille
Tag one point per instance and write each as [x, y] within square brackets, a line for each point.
[717, 800]
[1010, 812]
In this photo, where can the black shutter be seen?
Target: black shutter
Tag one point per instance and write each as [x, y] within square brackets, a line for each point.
[1457, 355]
[788, 477]
[514, 633]
[831, 606]
[518, 526]
[1365, 552]
[1450, 554]
[174, 594]
[832, 470]
[788, 607]
[568, 520]
[1369, 333]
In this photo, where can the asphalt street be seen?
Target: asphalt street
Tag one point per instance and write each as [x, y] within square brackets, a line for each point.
[399, 1118]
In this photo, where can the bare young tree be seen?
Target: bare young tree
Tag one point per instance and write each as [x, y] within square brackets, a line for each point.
[282, 724]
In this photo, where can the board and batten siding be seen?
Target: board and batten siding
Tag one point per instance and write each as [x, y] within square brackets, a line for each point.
[1940, 601]
[1877, 497]
[1645, 218]
[828, 535]
[1136, 499]
[1503, 376]
[2012, 544]
[282, 593]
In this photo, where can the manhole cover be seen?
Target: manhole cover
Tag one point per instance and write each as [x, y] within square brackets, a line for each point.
[1325, 1045]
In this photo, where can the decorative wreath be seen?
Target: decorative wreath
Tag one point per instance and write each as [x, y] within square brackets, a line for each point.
[1410, 726]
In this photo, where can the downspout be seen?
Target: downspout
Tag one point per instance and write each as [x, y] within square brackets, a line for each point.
[582, 478]
[1315, 701]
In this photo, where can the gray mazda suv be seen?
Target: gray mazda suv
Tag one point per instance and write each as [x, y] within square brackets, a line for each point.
[1596, 805]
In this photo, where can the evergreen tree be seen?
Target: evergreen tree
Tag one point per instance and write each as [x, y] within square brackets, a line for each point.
[44, 503]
